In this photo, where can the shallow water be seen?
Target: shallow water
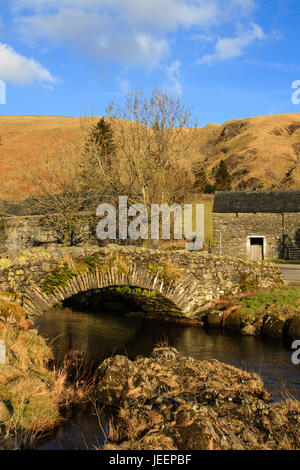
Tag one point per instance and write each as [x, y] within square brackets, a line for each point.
[103, 334]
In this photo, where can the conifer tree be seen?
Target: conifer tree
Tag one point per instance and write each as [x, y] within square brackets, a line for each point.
[200, 177]
[98, 153]
[101, 139]
[222, 179]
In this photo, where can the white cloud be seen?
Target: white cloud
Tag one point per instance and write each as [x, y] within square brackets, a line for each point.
[173, 75]
[131, 32]
[144, 14]
[97, 36]
[18, 69]
[230, 48]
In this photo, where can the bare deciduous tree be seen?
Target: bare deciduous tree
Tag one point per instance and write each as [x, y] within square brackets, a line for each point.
[57, 192]
[152, 141]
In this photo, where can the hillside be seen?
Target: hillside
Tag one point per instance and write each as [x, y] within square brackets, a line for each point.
[25, 138]
[261, 152]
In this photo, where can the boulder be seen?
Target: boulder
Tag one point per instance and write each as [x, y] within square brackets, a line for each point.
[114, 374]
[294, 329]
[195, 430]
[273, 327]
[214, 318]
[234, 320]
[249, 330]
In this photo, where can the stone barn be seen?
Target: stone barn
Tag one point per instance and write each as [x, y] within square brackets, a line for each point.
[257, 224]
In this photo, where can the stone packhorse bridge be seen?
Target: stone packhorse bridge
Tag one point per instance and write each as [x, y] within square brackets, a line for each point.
[189, 280]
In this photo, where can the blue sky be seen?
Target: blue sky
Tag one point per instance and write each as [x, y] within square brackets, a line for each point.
[228, 59]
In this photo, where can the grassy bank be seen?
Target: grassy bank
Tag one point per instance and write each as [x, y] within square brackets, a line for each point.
[273, 312]
[30, 394]
[33, 395]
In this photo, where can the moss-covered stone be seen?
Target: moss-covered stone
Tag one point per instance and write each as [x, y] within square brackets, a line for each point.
[58, 278]
[249, 330]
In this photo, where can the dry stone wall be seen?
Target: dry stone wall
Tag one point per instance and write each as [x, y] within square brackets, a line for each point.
[25, 232]
[236, 229]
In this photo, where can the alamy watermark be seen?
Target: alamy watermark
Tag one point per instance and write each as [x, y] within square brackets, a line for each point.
[296, 354]
[296, 94]
[2, 92]
[137, 223]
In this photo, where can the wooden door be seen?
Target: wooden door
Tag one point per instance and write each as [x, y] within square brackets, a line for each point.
[256, 252]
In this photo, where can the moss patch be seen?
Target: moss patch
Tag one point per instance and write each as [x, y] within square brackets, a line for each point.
[271, 311]
[281, 302]
[58, 278]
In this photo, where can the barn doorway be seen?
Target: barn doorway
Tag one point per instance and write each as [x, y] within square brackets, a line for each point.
[256, 248]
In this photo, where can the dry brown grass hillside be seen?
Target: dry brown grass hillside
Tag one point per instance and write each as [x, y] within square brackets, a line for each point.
[25, 138]
[261, 152]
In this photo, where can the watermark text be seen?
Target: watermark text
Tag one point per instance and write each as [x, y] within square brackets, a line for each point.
[138, 223]
[296, 354]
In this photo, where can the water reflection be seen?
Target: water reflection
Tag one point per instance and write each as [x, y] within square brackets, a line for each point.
[103, 334]
[83, 430]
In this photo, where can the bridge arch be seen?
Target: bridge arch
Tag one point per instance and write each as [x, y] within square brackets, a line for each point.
[124, 300]
[177, 292]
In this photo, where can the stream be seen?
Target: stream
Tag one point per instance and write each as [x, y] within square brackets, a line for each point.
[101, 334]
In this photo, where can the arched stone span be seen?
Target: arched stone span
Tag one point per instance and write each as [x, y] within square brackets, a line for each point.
[179, 292]
[190, 280]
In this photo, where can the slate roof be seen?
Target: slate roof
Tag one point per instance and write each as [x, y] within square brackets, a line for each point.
[256, 201]
[19, 208]
[29, 206]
